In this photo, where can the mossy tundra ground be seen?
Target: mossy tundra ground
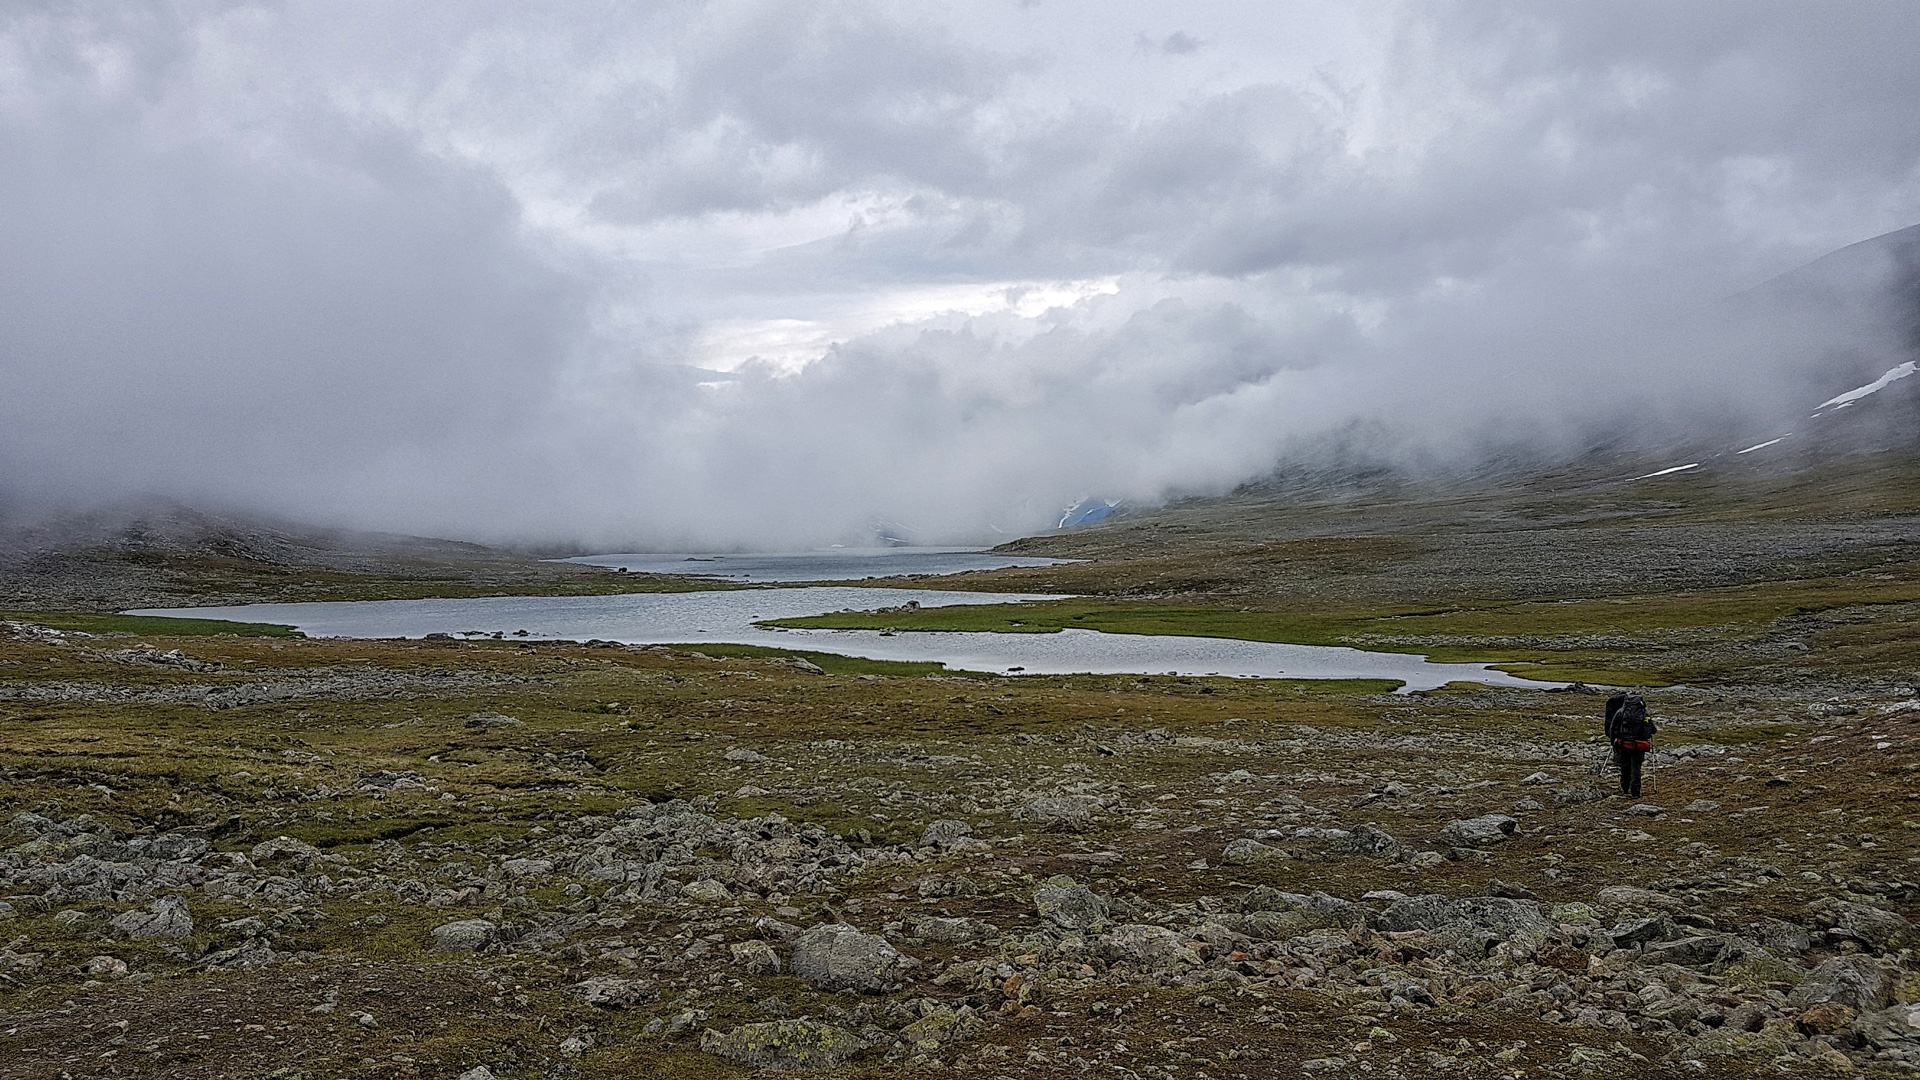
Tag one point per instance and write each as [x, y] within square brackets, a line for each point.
[260, 856]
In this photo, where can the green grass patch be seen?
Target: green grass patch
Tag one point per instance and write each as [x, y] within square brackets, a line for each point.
[1608, 640]
[152, 625]
[831, 663]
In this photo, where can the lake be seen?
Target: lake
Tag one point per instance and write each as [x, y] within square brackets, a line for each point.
[728, 616]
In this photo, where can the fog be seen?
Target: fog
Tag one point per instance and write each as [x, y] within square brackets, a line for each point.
[691, 275]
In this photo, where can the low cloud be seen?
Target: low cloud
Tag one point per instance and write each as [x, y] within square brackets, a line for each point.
[765, 274]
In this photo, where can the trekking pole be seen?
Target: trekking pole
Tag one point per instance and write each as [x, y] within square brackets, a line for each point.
[1600, 767]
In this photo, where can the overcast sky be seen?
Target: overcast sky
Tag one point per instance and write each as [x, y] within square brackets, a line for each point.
[762, 274]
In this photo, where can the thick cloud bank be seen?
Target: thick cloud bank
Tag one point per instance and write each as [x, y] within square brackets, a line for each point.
[769, 273]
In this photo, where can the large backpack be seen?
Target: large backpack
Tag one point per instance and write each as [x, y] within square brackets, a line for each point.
[1629, 722]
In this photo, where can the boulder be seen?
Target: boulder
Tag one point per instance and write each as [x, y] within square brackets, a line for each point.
[1152, 948]
[1070, 906]
[1067, 813]
[1633, 898]
[465, 936]
[613, 992]
[757, 957]
[837, 956]
[1505, 917]
[166, 919]
[945, 834]
[1246, 852]
[1859, 982]
[708, 891]
[940, 1023]
[785, 1044]
[1890, 1027]
[1419, 913]
[1482, 831]
[1373, 841]
[944, 931]
[285, 854]
[1877, 928]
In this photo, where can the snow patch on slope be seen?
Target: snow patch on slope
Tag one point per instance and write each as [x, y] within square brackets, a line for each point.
[1843, 400]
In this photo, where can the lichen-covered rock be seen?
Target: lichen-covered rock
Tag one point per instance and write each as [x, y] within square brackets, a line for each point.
[757, 957]
[166, 919]
[1070, 906]
[1482, 831]
[1877, 928]
[940, 1023]
[1508, 918]
[945, 834]
[785, 1044]
[284, 853]
[1419, 913]
[1272, 915]
[1065, 813]
[1152, 948]
[1373, 841]
[525, 868]
[613, 992]
[708, 891]
[945, 931]
[837, 956]
[1890, 1027]
[1859, 982]
[1634, 898]
[467, 935]
[1247, 852]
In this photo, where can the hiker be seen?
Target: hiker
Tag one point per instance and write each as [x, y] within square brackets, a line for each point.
[1631, 734]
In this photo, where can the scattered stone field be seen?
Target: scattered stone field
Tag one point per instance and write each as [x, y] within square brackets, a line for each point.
[253, 857]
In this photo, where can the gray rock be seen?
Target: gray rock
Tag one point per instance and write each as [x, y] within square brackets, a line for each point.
[1633, 898]
[1859, 982]
[1890, 1027]
[785, 1044]
[708, 891]
[1152, 948]
[465, 936]
[166, 919]
[523, 868]
[1504, 916]
[170, 847]
[742, 754]
[1641, 931]
[1070, 813]
[757, 957]
[286, 854]
[1246, 852]
[492, 721]
[1876, 928]
[1780, 936]
[945, 834]
[1376, 842]
[612, 992]
[1070, 906]
[943, 931]
[839, 957]
[1419, 913]
[1482, 831]
[478, 1072]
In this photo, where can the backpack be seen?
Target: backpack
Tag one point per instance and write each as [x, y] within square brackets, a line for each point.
[1630, 722]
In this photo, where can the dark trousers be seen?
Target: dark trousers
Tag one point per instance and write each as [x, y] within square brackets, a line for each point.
[1629, 762]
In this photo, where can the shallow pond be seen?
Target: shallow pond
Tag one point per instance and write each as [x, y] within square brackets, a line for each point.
[729, 616]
